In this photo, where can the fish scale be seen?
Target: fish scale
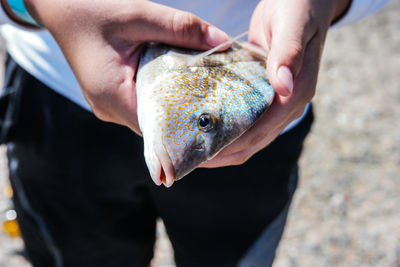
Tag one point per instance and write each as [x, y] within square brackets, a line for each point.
[191, 106]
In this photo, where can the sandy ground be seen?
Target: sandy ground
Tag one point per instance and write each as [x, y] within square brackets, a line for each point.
[346, 211]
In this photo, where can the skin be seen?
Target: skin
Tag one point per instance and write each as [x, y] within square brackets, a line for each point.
[102, 42]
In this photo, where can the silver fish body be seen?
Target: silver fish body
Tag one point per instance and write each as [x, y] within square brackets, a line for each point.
[191, 106]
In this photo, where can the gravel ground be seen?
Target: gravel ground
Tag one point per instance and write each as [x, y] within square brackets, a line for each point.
[346, 211]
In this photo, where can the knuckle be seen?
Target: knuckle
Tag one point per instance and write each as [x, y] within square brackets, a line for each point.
[295, 51]
[258, 138]
[185, 25]
[311, 94]
[241, 158]
[99, 112]
[298, 113]
[97, 102]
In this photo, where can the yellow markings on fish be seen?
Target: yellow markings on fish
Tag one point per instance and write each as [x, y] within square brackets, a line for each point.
[185, 139]
[188, 127]
[178, 144]
[195, 137]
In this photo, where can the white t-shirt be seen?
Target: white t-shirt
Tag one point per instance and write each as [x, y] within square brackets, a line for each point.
[37, 52]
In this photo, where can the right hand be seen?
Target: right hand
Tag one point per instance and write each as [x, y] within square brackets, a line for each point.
[294, 34]
[102, 42]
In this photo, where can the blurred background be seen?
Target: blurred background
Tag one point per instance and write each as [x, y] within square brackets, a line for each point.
[346, 211]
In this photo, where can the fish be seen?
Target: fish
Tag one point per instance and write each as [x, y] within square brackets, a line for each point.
[191, 104]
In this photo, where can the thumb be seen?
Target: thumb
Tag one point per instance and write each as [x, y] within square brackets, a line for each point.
[180, 28]
[288, 43]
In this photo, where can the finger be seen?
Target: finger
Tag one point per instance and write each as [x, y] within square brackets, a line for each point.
[282, 112]
[289, 38]
[180, 28]
[256, 28]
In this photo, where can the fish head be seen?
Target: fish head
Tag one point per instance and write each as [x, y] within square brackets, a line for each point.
[194, 108]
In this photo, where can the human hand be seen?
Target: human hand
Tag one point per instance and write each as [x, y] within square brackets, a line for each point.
[102, 42]
[293, 32]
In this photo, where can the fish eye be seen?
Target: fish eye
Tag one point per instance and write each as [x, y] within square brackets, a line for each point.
[206, 122]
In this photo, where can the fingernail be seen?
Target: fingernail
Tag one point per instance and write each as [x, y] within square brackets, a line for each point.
[215, 36]
[285, 76]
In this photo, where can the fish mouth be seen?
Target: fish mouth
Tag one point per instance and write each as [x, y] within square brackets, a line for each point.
[160, 167]
[166, 173]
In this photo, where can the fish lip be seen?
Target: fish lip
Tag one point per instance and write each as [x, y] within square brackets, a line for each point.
[166, 175]
[159, 164]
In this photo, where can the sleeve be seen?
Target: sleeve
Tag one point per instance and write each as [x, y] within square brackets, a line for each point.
[4, 18]
[360, 9]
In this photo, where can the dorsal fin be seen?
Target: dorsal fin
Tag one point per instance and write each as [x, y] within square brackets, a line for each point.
[250, 47]
[229, 42]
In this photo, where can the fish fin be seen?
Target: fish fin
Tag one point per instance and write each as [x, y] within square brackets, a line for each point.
[254, 49]
[214, 49]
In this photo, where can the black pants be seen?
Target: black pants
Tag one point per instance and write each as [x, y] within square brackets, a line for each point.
[84, 196]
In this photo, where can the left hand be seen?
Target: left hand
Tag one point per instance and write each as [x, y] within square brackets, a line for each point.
[294, 33]
[102, 42]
